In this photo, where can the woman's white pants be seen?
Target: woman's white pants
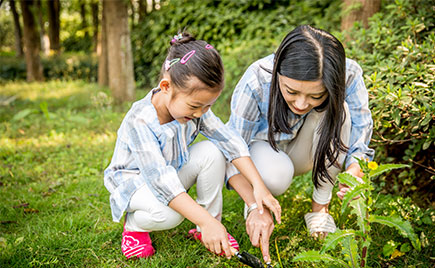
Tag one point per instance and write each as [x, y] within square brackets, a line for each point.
[296, 157]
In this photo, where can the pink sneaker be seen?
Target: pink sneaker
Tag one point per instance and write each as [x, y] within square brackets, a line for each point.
[233, 243]
[136, 244]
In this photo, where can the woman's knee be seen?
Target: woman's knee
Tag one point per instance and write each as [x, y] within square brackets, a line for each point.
[275, 168]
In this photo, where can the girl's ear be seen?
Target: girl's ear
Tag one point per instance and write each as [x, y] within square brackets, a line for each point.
[165, 85]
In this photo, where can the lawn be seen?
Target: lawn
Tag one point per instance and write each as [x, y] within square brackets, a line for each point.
[56, 138]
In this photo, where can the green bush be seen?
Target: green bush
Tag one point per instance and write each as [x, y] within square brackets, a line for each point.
[68, 66]
[397, 55]
[242, 31]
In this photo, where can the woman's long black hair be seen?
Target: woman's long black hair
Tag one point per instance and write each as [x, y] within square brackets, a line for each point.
[311, 54]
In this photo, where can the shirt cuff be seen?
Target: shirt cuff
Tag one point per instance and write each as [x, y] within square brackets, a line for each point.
[230, 171]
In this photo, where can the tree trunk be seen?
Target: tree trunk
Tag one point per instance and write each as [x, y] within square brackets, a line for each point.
[103, 72]
[142, 9]
[54, 24]
[17, 30]
[119, 54]
[31, 43]
[95, 22]
[83, 15]
[358, 10]
[45, 43]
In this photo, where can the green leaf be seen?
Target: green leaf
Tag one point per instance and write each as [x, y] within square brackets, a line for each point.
[316, 256]
[389, 248]
[333, 239]
[348, 179]
[384, 168]
[359, 208]
[404, 227]
[405, 247]
[23, 113]
[354, 193]
[350, 250]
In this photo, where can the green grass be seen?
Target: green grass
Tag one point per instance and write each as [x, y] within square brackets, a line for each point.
[56, 138]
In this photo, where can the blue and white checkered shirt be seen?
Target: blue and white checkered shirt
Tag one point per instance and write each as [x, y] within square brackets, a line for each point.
[147, 152]
[250, 104]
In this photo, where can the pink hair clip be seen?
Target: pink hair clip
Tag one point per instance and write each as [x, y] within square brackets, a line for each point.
[208, 46]
[187, 56]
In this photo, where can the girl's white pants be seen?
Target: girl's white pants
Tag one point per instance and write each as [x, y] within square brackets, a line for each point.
[206, 168]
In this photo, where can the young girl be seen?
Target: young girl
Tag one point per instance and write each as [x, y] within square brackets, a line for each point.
[303, 108]
[153, 166]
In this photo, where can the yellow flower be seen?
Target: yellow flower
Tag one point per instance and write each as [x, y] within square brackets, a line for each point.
[372, 165]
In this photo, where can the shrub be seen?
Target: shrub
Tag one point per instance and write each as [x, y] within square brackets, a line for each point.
[67, 66]
[397, 55]
[242, 31]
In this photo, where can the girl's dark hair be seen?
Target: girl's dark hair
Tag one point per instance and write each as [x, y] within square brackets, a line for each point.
[311, 54]
[205, 64]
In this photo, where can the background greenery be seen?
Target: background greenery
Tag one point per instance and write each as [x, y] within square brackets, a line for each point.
[57, 137]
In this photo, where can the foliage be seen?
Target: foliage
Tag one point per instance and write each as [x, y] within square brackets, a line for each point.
[6, 30]
[243, 31]
[355, 243]
[397, 55]
[68, 66]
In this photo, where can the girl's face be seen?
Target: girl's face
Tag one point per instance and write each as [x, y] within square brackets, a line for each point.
[184, 107]
[302, 96]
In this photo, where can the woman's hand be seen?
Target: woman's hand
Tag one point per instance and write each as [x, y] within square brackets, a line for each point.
[259, 228]
[215, 237]
[263, 196]
[353, 170]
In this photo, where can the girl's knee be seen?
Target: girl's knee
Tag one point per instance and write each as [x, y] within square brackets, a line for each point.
[157, 221]
[208, 151]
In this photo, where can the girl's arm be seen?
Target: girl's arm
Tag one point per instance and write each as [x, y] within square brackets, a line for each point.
[214, 234]
[260, 192]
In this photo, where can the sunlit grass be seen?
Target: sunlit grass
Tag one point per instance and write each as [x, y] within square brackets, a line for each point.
[54, 209]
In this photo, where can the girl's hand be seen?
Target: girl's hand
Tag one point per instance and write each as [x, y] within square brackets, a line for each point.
[259, 228]
[263, 196]
[215, 237]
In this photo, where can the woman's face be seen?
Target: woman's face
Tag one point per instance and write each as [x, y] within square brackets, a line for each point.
[302, 96]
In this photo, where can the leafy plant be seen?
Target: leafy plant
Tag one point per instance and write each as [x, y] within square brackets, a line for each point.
[355, 243]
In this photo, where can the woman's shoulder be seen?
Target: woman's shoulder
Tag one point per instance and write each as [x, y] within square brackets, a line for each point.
[258, 75]
[353, 71]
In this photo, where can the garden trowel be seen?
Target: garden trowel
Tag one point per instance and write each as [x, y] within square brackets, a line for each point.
[248, 259]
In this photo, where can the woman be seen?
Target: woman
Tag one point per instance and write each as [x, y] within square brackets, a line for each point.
[303, 108]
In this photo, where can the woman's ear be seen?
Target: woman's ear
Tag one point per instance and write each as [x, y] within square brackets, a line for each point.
[165, 85]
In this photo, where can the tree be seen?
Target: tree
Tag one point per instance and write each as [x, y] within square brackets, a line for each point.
[119, 52]
[45, 42]
[95, 22]
[17, 29]
[31, 43]
[358, 10]
[142, 9]
[103, 72]
[83, 15]
[53, 7]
